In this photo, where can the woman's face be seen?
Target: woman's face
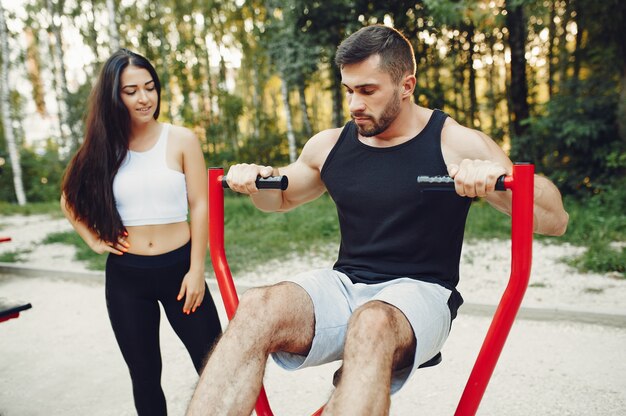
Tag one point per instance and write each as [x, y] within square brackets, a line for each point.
[139, 94]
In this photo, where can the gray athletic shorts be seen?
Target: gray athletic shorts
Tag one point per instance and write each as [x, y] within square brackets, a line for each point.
[335, 298]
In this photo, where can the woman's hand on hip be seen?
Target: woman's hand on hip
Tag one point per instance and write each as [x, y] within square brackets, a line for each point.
[119, 247]
[192, 290]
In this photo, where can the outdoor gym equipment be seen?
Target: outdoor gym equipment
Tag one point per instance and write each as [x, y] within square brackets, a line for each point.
[521, 183]
[10, 309]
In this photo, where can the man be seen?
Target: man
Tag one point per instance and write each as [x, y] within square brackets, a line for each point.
[387, 305]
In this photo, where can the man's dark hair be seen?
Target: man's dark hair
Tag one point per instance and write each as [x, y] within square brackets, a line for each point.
[395, 50]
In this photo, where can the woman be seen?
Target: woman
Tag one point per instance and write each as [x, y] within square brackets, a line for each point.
[128, 191]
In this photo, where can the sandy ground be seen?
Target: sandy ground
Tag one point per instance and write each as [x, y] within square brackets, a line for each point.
[60, 358]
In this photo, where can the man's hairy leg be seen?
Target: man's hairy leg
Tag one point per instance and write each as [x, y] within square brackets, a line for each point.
[268, 319]
[379, 339]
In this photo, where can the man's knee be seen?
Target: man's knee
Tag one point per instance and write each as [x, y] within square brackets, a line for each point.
[268, 306]
[259, 304]
[381, 323]
[381, 328]
[377, 318]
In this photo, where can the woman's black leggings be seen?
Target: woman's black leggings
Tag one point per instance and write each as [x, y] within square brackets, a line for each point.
[134, 286]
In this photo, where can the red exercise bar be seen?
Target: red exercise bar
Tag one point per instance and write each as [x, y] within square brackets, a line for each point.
[522, 185]
[220, 265]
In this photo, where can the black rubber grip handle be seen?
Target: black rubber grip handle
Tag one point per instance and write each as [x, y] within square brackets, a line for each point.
[271, 182]
[446, 183]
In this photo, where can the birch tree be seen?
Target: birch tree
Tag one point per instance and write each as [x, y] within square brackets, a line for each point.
[14, 155]
[114, 35]
[54, 33]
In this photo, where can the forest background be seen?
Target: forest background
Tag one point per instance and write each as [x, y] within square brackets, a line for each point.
[255, 79]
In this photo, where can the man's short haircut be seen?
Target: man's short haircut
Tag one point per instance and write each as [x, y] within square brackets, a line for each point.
[395, 50]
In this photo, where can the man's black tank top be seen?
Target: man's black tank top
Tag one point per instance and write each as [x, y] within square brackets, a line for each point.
[390, 229]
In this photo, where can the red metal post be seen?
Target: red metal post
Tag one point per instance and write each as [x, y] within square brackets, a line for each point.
[522, 185]
[220, 265]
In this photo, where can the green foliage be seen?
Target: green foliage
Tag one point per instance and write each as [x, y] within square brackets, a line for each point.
[602, 258]
[271, 150]
[13, 256]
[576, 141]
[484, 222]
[253, 237]
[77, 105]
[51, 208]
[41, 173]
[599, 218]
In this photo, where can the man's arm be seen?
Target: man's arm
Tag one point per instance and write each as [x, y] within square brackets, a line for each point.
[475, 162]
[305, 183]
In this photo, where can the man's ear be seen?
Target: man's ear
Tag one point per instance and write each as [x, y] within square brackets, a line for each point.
[408, 86]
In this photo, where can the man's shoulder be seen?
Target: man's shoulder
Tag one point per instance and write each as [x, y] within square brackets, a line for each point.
[464, 142]
[324, 139]
[454, 132]
[319, 146]
[328, 134]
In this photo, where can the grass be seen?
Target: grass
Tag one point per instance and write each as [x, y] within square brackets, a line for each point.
[51, 208]
[83, 252]
[253, 237]
[13, 256]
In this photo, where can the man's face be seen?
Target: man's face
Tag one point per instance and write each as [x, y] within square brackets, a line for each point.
[373, 98]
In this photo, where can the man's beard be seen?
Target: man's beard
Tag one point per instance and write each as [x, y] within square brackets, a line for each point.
[386, 118]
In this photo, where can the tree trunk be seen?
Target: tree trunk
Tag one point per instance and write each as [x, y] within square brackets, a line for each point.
[564, 53]
[621, 107]
[492, 85]
[114, 35]
[519, 89]
[578, 47]
[551, 41]
[473, 108]
[7, 123]
[306, 121]
[257, 95]
[335, 84]
[33, 68]
[54, 31]
[291, 139]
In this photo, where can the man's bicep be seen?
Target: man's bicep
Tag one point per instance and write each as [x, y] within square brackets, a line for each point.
[305, 184]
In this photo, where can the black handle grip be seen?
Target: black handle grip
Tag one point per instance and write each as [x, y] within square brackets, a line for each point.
[446, 183]
[271, 182]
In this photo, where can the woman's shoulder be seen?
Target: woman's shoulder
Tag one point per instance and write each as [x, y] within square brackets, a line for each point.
[181, 133]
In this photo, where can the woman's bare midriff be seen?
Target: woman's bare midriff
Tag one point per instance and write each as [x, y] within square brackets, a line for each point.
[151, 240]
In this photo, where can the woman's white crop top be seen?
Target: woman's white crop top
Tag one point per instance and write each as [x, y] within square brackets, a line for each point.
[146, 191]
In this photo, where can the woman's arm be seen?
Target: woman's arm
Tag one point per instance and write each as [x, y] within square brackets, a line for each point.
[90, 237]
[195, 172]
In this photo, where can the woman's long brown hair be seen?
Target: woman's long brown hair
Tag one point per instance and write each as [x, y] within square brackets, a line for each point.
[88, 181]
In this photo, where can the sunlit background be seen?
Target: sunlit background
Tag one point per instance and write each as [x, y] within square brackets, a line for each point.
[255, 79]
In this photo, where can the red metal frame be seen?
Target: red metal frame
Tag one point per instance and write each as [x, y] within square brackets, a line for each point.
[220, 265]
[522, 185]
[5, 239]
